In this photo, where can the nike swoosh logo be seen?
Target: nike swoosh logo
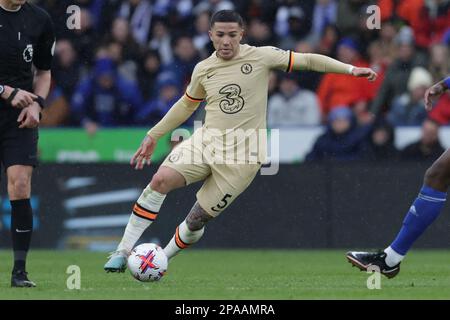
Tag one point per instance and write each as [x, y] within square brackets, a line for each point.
[389, 271]
[17, 230]
[209, 75]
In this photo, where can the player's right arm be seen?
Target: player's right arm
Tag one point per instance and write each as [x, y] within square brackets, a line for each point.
[435, 92]
[178, 114]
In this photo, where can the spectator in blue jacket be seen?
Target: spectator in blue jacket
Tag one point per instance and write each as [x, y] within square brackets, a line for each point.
[105, 98]
[185, 58]
[168, 92]
[343, 139]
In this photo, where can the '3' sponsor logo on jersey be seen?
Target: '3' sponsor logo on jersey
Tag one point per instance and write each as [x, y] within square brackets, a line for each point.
[232, 101]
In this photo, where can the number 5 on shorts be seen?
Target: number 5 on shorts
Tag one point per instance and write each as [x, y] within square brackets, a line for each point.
[223, 204]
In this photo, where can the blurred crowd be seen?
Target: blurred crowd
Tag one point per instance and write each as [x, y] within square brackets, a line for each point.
[130, 60]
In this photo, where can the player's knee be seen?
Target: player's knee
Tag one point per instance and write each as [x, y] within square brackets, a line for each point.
[19, 188]
[437, 176]
[166, 180]
[159, 183]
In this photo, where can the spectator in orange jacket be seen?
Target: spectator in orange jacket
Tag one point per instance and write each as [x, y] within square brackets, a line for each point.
[339, 89]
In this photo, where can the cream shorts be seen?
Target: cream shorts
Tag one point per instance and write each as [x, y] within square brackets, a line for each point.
[223, 183]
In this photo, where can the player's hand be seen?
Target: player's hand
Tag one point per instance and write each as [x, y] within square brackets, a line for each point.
[21, 100]
[29, 116]
[432, 94]
[365, 73]
[143, 153]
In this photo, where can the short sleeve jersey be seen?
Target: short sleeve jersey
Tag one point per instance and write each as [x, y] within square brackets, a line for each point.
[26, 38]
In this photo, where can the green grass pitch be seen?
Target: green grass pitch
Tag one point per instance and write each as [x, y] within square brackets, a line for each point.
[233, 274]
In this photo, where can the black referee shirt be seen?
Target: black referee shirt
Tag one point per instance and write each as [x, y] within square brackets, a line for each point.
[26, 37]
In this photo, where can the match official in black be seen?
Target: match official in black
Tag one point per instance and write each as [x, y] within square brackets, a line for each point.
[27, 43]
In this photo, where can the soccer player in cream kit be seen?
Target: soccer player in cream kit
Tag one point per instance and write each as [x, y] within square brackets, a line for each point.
[233, 81]
[26, 40]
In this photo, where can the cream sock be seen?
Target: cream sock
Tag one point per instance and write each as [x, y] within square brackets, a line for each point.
[145, 211]
[182, 239]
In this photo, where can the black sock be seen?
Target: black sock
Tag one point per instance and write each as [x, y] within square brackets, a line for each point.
[21, 230]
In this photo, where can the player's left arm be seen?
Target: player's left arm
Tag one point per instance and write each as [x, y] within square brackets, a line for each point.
[42, 59]
[276, 58]
[321, 63]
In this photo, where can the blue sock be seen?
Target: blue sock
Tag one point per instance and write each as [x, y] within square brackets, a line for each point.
[422, 213]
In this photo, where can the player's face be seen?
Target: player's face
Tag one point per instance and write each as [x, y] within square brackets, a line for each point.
[226, 37]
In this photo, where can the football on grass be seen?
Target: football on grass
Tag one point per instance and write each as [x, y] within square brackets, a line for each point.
[147, 262]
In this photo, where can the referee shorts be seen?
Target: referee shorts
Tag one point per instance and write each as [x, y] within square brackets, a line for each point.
[17, 146]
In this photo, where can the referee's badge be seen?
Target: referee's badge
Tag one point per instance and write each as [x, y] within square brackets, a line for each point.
[28, 53]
